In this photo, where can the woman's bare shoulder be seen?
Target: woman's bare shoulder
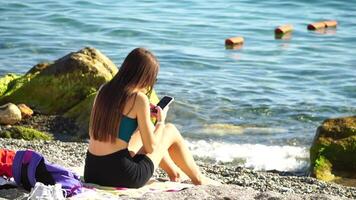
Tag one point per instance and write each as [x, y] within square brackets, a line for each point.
[135, 102]
[141, 99]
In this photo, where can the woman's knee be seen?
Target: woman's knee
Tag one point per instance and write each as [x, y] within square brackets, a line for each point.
[170, 126]
[171, 130]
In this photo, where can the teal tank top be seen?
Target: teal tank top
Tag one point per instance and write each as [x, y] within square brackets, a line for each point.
[127, 128]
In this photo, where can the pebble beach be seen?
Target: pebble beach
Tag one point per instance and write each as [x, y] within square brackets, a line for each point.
[237, 180]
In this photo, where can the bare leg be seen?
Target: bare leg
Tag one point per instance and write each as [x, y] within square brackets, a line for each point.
[167, 164]
[179, 152]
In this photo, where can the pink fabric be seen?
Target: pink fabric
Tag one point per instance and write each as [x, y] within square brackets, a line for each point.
[121, 188]
[6, 160]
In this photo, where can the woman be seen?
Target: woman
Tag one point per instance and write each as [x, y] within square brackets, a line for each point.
[125, 147]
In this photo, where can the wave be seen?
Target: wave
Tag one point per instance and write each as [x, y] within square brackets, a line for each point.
[255, 156]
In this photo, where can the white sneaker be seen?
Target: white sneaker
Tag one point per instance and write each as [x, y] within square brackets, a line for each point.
[44, 192]
[40, 192]
[58, 192]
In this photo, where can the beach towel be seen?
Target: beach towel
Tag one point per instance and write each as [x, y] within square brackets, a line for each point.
[93, 191]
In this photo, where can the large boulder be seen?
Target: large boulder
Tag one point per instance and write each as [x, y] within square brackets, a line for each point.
[333, 152]
[54, 88]
[9, 114]
[65, 87]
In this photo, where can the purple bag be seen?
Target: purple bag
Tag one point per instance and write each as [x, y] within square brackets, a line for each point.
[30, 167]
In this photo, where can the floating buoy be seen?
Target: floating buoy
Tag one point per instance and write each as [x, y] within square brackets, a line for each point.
[235, 46]
[286, 36]
[234, 43]
[316, 26]
[283, 29]
[326, 31]
[322, 25]
[331, 23]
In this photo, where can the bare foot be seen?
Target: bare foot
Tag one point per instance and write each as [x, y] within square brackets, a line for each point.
[174, 176]
[207, 181]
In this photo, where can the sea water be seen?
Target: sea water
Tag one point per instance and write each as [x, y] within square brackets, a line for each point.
[256, 107]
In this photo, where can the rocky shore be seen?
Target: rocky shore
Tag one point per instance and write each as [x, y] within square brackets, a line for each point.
[239, 183]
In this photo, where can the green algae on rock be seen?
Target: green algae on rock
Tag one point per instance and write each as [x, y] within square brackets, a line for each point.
[20, 132]
[54, 88]
[5, 80]
[333, 153]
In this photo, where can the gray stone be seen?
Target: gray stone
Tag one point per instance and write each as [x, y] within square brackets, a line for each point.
[9, 114]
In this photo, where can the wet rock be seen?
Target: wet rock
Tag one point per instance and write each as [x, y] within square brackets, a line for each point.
[26, 111]
[332, 154]
[9, 114]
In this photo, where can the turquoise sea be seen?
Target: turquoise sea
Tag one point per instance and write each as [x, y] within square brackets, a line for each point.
[258, 106]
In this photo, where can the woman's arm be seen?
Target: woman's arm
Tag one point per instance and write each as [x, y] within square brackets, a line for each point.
[150, 135]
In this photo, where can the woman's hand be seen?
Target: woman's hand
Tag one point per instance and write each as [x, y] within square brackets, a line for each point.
[161, 114]
[153, 110]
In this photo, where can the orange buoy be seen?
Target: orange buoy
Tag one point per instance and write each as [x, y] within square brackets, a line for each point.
[234, 41]
[316, 26]
[235, 46]
[283, 29]
[286, 36]
[326, 31]
[331, 23]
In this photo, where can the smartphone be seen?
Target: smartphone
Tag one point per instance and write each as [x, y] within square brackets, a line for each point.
[165, 101]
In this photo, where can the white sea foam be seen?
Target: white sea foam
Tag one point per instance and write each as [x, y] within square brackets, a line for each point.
[230, 129]
[256, 156]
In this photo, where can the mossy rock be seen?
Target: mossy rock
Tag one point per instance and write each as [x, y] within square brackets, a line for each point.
[5, 80]
[333, 152]
[54, 88]
[20, 132]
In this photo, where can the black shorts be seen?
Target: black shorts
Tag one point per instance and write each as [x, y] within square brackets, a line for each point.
[118, 169]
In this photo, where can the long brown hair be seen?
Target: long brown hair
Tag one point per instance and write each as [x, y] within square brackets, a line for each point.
[139, 70]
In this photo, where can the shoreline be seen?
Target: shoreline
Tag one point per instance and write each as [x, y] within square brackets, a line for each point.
[72, 154]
